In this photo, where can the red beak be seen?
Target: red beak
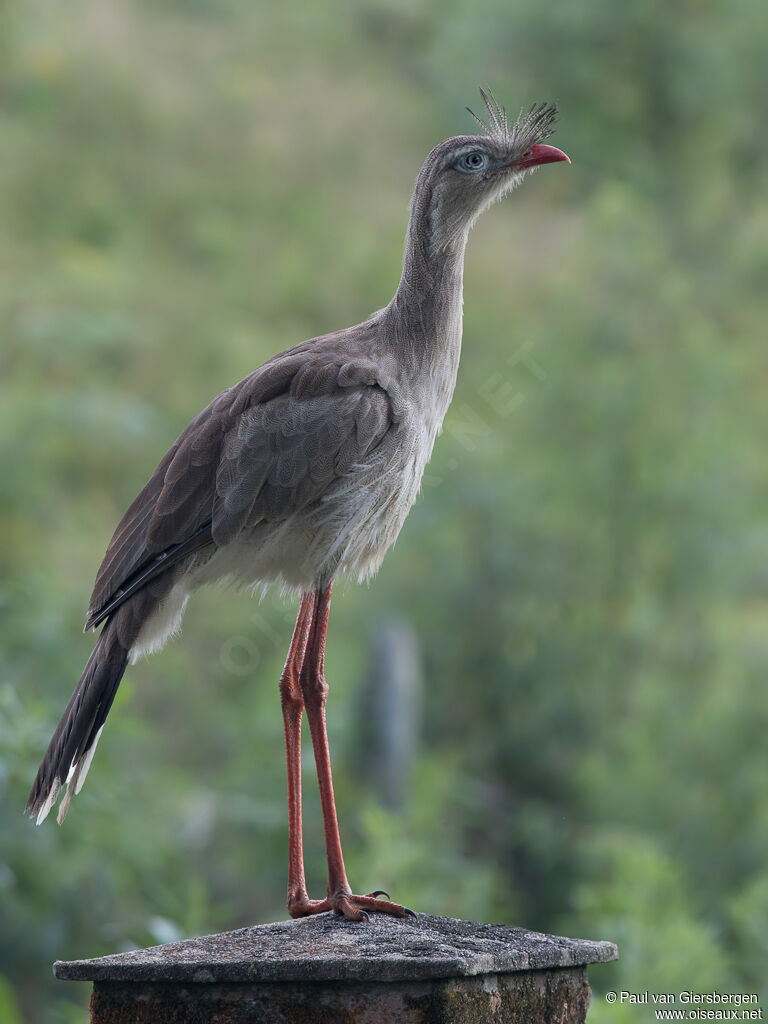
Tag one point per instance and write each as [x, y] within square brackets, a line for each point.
[539, 155]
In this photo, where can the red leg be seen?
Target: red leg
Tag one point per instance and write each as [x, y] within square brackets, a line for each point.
[315, 692]
[293, 707]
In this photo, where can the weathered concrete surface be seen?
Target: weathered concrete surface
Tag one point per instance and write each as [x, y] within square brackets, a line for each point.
[526, 997]
[431, 970]
[331, 948]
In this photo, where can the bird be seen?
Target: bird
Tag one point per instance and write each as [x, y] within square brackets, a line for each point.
[302, 472]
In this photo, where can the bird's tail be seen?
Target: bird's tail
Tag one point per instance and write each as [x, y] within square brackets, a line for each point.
[73, 744]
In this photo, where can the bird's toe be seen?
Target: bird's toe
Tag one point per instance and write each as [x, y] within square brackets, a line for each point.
[299, 905]
[358, 908]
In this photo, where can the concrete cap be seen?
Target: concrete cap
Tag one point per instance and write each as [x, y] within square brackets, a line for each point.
[330, 948]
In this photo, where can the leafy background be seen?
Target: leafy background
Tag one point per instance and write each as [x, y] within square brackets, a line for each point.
[187, 188]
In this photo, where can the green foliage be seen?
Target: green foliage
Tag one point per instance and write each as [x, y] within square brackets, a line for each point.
[9, 1008]
[642, 897]
[187, 189]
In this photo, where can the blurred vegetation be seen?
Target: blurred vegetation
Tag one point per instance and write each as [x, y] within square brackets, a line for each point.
[186, 189]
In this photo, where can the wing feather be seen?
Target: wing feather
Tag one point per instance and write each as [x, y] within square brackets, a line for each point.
[264, 449]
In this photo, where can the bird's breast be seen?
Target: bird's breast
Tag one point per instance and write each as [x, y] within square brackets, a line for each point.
[359, 516]
[393, 479]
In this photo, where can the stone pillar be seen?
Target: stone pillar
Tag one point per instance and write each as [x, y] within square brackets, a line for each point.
[327, 970]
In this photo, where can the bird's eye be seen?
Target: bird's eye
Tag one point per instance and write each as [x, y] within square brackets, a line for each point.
[475, 161]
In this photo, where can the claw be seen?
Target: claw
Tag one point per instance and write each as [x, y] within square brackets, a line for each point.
[378, 892]
[354, 908]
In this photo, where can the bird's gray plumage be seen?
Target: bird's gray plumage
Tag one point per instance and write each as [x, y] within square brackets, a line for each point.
[263, 450]
[308, 467]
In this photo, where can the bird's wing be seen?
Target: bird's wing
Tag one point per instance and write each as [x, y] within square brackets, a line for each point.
[262, 450]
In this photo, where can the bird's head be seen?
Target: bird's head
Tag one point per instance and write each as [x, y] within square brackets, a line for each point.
[462, 176]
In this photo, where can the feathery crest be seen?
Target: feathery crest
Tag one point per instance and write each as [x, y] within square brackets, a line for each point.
[529, 129]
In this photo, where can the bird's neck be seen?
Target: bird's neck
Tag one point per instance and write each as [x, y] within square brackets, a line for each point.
[427, 307]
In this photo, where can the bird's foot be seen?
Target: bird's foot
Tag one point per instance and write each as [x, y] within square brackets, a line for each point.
[355, 908]
[300, 905]
[358, 908]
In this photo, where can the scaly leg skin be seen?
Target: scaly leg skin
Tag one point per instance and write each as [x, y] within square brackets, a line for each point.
[314, 691]
[299, 903]
[292, 703]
